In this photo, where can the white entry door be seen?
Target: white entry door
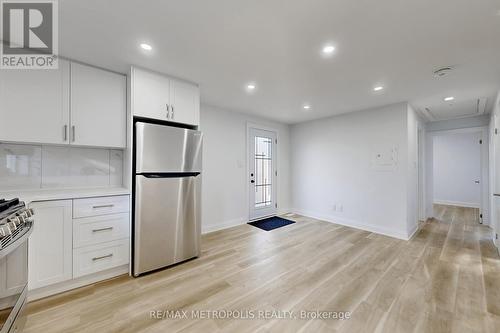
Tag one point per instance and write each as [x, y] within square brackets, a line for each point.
[262, 173]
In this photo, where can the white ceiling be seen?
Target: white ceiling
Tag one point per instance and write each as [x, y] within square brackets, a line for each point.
[224, 44]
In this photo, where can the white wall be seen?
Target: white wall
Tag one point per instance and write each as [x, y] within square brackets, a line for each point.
[332, 164]
[415, 163]
[495, 167]
[456, 166]
[225, 179]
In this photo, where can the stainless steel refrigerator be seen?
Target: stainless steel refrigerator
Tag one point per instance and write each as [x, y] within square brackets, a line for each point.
[167, 198]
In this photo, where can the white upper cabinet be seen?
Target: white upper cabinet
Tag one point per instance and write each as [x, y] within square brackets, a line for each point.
[185, 102]
[157, 96]
[43, 106]
[34, 105]
[150, 94]
[98, 107]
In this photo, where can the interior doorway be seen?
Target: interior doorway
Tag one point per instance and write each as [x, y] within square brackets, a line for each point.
[460, 170]
[262, 169]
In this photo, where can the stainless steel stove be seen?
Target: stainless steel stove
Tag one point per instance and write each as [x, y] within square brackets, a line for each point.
[16, 224]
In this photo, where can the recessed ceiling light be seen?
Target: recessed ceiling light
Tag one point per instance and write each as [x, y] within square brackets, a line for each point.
[378, 88]
[449, 99]
[307, 107]
[251, 87]
[146, 47]
[328, 49]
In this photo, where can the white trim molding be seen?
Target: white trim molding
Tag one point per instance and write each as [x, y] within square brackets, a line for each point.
[457, 203]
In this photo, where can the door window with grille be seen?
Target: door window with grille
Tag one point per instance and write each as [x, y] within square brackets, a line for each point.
[262, 173]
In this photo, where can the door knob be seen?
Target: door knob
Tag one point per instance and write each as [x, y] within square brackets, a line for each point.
[252, 181]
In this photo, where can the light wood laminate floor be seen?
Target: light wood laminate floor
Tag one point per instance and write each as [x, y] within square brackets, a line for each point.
[446, 279]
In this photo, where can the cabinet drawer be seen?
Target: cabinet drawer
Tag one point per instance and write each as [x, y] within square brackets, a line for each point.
[95, 258]
[100, 229]
[100, 206]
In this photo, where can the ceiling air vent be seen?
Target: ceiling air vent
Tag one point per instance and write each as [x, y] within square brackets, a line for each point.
[442, 71]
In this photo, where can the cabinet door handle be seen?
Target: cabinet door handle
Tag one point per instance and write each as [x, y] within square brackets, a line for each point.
[103, 206]
[102, 229]
[102, 257]
[73, 133]
[65, 133]
[168, 111]
[172, 112]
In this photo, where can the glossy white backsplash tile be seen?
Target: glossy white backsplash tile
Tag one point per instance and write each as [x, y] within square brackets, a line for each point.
[115, 167]
[75, 167]
[34, 167]
[55, 168]
[89, 167]
[20, 166]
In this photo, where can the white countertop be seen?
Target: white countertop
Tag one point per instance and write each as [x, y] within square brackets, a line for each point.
[60, 194]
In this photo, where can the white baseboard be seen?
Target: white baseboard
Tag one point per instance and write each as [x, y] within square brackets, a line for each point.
[355, 224]
[457, 203]
[76, 283]
[414, 230]
[224, 225]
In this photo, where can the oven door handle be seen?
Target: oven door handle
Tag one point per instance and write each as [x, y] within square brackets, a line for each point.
[18, 242]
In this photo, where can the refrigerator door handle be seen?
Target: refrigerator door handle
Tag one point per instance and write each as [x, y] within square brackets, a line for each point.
[169, 174]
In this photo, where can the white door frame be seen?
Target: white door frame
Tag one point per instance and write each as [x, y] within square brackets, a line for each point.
[250, 126]
[485, 200]
[421, 187]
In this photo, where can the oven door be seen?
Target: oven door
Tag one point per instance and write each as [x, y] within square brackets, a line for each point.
[13, 285]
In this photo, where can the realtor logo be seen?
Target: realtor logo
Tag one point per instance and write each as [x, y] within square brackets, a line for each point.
[29, 34]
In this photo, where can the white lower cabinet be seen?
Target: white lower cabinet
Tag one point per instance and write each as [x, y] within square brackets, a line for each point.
[64, 247]
[100, 229]
[95, 258]
[50, 244]
[100, 206]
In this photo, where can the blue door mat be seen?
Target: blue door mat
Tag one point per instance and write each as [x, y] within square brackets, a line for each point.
[271, 223]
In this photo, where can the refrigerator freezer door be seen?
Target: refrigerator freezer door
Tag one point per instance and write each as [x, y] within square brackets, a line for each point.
[167, 149]
[167, 221]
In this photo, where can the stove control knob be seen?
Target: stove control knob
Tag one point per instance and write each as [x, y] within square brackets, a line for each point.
[32, 212]
[22, 214]
[17, 220]
[12, 225]
[4, 231]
